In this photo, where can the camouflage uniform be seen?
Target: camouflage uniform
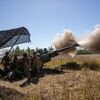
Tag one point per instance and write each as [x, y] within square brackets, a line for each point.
[26, 65]
[39, 64]
[14, 63]
[6, 61]
[34, 69]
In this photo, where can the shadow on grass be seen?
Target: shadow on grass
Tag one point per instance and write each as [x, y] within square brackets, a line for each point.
[44, 71]
[93, 65]
[71, 66]
[10, 94]
[49, 71]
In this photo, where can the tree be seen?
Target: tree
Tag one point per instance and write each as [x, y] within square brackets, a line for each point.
[50, 49]
[39, 50]
[28, 50]
[84, 51]
[45, 50]
[21, 52]
[31, 52]
[17, 50]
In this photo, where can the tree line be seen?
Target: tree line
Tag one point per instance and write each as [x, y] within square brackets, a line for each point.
[29, 51]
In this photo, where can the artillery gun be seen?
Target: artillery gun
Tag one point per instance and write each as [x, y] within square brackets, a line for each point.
[46, 57]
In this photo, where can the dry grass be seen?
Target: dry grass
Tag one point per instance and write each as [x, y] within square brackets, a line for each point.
[84, 61]
[81, 84]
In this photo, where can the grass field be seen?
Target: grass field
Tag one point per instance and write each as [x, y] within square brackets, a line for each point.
[92, 61]
[79, 83]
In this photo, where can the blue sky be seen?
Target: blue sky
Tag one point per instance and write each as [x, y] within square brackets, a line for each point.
[45, 18]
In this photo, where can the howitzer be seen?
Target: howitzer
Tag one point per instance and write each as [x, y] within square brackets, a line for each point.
[47, 56]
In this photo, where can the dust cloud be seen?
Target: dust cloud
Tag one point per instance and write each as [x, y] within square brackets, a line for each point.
[63, 39]
[92, 41]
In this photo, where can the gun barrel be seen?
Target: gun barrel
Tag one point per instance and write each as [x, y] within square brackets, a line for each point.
[47, 57]
[68, 47]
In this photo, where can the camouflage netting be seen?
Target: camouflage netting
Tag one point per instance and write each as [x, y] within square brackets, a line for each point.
[9, 37]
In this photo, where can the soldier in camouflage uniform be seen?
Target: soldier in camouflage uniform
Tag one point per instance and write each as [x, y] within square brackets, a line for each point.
[6, 62]
[26, 65]
[34, 69]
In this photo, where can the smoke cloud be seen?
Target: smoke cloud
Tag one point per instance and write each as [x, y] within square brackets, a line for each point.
[92, 41]
[63, 39]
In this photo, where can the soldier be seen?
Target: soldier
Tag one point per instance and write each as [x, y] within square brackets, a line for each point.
[26, 65]
[6, 62]
[14, 63]
[34, 69]
[39, 64]
[14, 73]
